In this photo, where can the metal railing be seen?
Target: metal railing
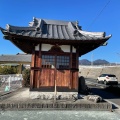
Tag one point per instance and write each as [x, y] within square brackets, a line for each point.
[10, 82]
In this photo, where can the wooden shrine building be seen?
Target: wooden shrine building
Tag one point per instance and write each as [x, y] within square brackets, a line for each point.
[55, 47]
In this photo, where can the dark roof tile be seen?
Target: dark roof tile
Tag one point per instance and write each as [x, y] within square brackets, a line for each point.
[55, 29]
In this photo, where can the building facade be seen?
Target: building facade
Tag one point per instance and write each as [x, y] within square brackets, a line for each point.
[55, 47]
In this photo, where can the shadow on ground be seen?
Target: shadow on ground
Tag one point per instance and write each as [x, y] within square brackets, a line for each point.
[106, 93]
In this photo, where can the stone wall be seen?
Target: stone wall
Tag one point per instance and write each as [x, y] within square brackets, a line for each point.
[95, 71]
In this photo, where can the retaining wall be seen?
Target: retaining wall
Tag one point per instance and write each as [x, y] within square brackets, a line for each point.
[95, 71]
[55, 106]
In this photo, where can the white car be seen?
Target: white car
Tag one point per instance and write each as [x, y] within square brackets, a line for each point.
[108, 79]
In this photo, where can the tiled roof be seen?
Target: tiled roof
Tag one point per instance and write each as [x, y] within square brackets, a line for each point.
[54, 29]
[15, 58]
[54, 32]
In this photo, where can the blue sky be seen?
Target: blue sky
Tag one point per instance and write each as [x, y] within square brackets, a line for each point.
[93, 15]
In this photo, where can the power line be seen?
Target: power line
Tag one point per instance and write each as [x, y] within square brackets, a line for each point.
[99, 14]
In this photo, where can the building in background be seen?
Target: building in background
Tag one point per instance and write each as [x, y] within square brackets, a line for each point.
[20, 61]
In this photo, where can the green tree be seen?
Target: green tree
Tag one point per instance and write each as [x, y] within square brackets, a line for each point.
[26, 77]
[8, 70]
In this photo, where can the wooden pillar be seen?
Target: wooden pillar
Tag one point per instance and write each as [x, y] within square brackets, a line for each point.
[70, 84]
[77, 63]
[39, 66]
[40, 56]
[20, 69]
[32, 70]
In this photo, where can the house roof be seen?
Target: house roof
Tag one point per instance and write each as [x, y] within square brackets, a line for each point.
[53, 31]
[15, 58]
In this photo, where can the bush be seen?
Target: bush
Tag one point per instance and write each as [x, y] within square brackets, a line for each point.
[8, 70]
[26, 78]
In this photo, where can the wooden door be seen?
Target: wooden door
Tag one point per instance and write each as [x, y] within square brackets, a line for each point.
[62, 70]
[54, 69]
[47, 77]
[63, 78]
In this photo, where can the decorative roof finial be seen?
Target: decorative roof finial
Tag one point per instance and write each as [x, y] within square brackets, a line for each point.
[33, 19]
[7, 27]
[77, 25]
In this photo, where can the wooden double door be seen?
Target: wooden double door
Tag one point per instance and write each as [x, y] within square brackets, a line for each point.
[51, 76]
[55, 70]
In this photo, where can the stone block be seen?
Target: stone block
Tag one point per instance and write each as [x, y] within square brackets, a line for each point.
[94, 98]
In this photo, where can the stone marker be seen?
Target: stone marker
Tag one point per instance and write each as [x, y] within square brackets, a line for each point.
[82, 87]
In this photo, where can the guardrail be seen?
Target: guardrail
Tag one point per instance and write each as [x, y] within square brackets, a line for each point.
[10, 82]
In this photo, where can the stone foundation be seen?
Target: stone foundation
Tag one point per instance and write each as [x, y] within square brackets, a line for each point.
[55, 106]
[53, 95]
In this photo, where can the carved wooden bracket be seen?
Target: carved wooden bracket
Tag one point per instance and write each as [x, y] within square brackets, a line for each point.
[56, 48]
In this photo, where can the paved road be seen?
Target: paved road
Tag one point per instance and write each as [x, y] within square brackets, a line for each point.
[105, 92]
[59, 115]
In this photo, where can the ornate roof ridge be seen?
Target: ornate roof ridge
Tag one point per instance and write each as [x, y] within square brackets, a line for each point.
[97, 34]
[49, 21]
[11, 27]
[54, 29]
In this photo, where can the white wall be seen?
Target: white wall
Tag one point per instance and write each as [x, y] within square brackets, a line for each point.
[46, 47]
[65, 48]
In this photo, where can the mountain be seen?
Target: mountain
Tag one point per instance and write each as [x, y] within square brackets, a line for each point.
[84, 62]
[100, 62]
[96, 62]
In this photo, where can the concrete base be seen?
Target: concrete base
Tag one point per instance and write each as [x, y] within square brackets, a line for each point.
[55, 106]
[24, 99]
[53, 95]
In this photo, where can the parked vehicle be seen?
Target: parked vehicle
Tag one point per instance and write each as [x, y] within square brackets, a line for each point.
[108, 79]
